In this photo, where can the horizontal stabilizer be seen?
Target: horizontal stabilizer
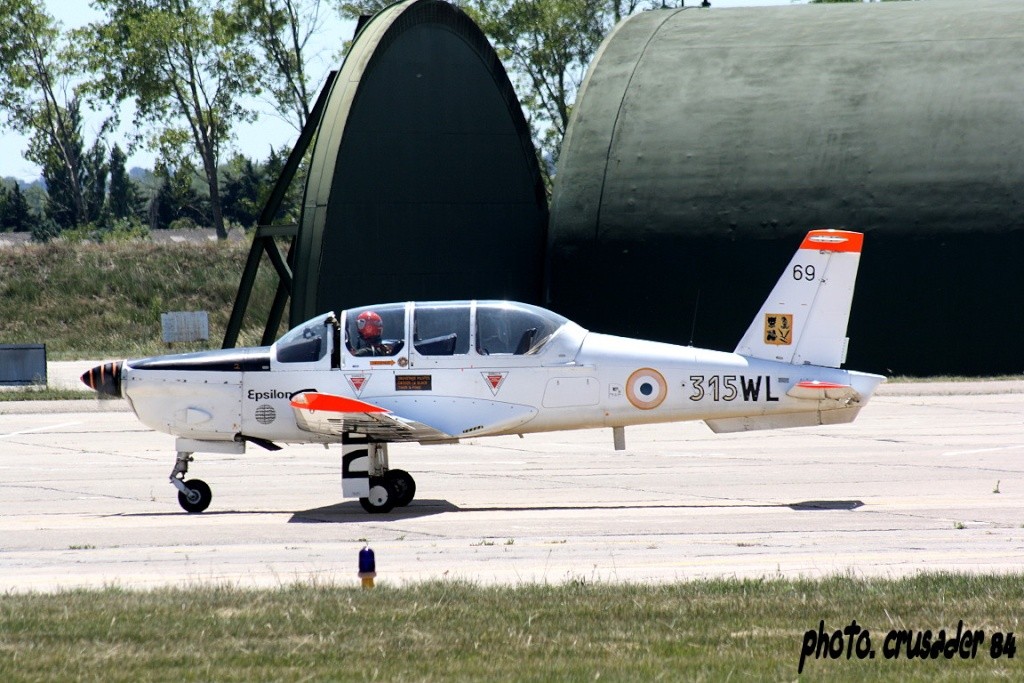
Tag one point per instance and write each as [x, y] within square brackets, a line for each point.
[816, 390]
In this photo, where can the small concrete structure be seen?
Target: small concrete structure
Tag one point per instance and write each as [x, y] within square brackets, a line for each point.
[185, 326]
[22, 364]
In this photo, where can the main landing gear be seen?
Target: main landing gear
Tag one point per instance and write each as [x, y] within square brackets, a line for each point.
[396, 488]
[194, 495]
[365, 473]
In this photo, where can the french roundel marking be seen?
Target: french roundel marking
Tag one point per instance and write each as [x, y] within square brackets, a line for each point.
[646, 388]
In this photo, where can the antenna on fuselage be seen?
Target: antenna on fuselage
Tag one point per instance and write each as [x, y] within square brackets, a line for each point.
[693, 326]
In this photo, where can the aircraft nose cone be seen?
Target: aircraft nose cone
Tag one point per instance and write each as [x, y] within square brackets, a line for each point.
[106, 378]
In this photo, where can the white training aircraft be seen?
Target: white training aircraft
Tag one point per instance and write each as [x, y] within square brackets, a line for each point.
[440, 371]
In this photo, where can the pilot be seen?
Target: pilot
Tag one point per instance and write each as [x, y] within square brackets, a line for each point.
[370, 328]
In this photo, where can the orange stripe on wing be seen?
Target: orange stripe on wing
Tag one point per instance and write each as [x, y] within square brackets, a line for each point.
[834, 240]
[334, 404]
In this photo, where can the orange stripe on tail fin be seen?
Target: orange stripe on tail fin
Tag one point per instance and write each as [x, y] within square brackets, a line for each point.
[833, 240]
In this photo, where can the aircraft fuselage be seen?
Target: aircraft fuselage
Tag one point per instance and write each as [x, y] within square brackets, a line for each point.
[605, 381]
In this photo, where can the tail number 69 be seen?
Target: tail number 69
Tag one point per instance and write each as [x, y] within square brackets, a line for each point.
[803, 272]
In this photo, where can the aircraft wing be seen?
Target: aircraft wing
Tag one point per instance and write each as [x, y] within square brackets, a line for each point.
[336, 415]
[418, 418]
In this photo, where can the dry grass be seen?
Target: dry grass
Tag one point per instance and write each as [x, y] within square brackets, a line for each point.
[104, 300]
[699, 630]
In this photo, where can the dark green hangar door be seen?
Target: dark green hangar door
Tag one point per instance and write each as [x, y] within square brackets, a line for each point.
[423, 182]
[705, 143]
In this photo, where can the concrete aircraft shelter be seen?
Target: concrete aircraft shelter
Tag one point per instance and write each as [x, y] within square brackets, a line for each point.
[705, 143]
[423, 182]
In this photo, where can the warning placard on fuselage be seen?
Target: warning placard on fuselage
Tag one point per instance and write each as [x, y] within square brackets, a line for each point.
[413, 383]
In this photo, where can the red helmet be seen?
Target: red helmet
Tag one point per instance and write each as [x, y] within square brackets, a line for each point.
[369, 324]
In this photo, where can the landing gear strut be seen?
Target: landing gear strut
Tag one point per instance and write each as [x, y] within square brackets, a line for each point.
[386, 488]
[194, 495]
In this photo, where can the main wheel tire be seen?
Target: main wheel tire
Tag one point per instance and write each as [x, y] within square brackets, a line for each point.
[382, 496]
[199, 496]
[404, 486]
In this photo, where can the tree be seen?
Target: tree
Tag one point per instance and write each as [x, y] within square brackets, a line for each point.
[281, 29]
[186, 71]
[62, 169]
[242, 180]
[34, 94]
[5, 202]
[15, 215]
[291, 204]
[123, 195]
[547, 45]
[175, 199]
[95, 171]
[354, 10]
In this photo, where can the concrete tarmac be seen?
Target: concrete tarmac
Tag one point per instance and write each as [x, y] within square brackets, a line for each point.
[930, 477]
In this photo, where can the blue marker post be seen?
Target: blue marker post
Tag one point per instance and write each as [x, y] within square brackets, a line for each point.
[367, 567]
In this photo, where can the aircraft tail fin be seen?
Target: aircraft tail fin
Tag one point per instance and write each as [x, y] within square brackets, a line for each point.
[804, 319]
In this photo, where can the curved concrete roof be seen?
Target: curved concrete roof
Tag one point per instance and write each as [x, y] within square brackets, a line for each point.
[896, 116]
[704, 143]
[423, 181]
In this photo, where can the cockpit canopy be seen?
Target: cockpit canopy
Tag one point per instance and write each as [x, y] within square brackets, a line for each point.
[306, 343]
[429, 329]
[447, 328]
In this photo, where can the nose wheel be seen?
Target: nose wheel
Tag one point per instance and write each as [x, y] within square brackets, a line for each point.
[194, 495]
[198, 497]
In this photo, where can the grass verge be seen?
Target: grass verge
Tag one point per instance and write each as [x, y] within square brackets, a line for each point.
[87, 300]
[699, 630]
[38, 393]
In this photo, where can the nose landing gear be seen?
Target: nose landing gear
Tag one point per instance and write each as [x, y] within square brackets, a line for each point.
[194, 495]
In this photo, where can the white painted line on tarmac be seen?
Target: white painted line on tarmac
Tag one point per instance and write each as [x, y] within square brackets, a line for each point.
[987, 450]
[39, 429]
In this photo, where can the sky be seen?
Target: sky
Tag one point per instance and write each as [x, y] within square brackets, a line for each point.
[253, 140]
